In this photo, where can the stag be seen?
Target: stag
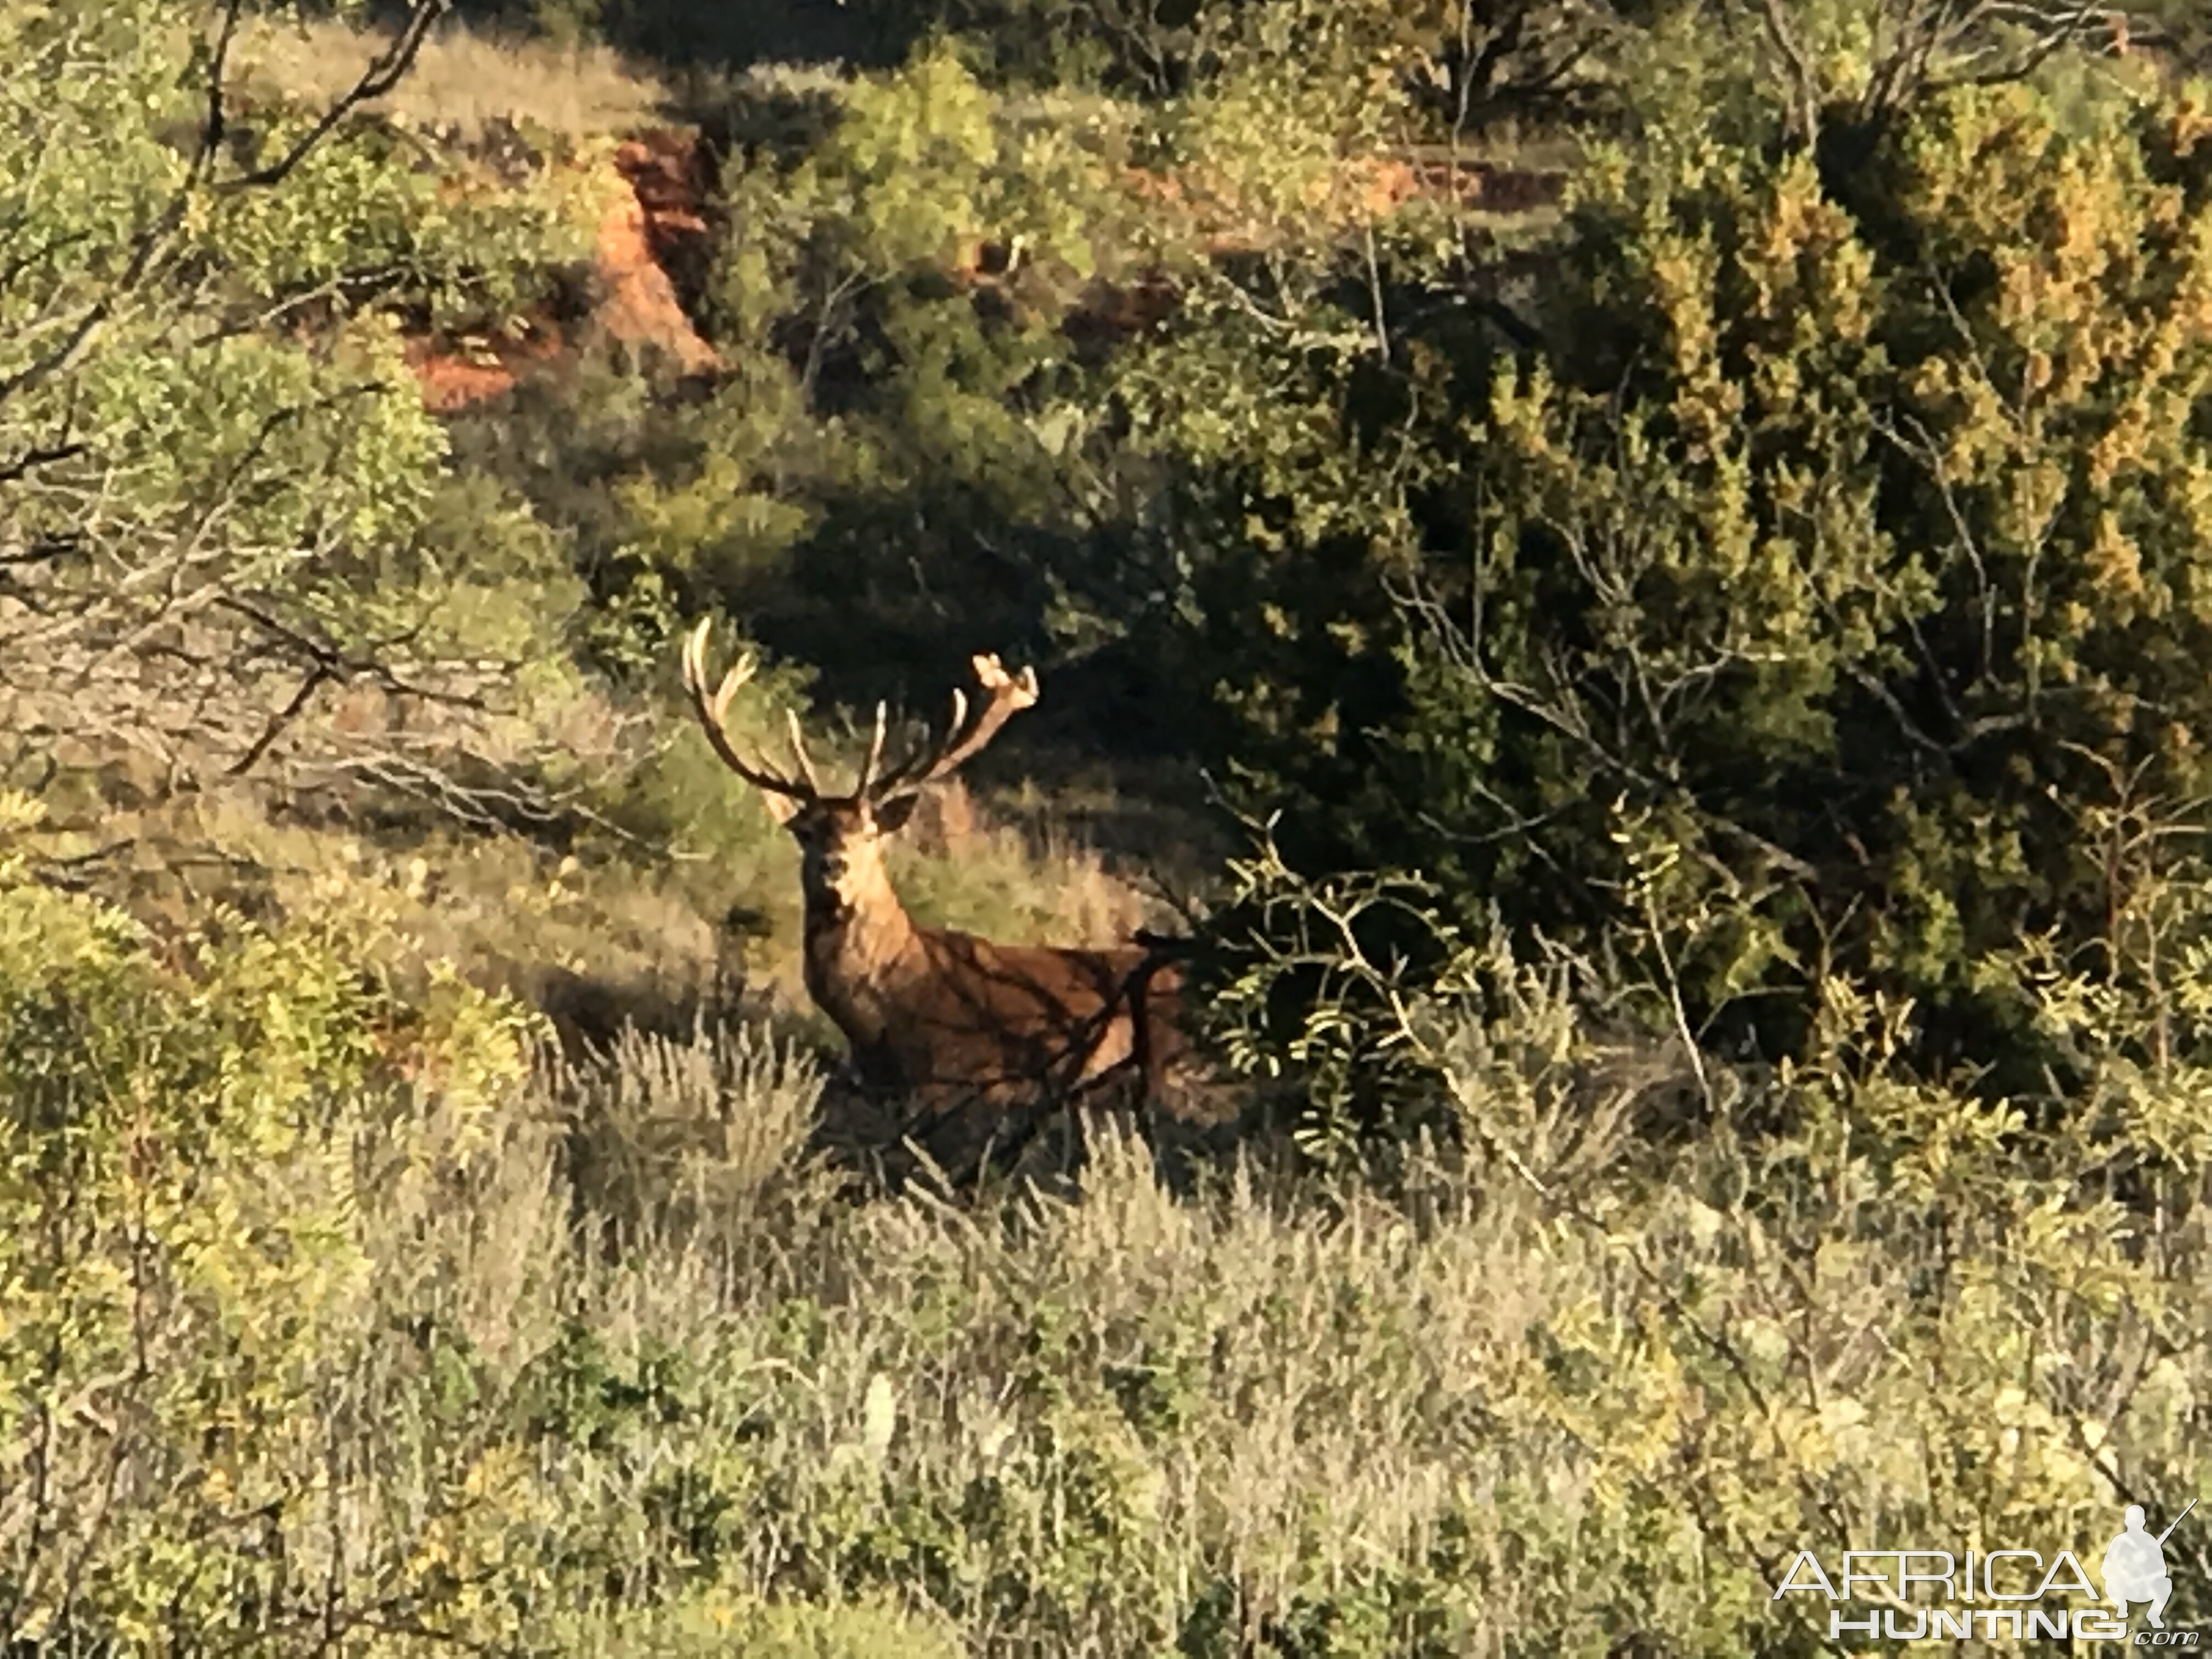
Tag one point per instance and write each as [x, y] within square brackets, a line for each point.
[977, 1038]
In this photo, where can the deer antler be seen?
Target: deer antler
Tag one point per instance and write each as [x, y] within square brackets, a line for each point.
[713, 707]
[1008, 695]
[875, 754]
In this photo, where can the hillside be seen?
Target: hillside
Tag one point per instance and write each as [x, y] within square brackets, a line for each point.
[1453, 898]
[617, 940]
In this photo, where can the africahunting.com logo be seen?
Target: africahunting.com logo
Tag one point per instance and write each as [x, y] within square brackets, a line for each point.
[1932, 1595]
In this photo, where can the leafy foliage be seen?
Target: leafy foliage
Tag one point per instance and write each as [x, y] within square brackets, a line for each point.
[1799, 609]
[214, 467]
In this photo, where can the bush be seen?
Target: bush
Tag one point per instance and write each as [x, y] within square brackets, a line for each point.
[192, 1132]
[1822, 598]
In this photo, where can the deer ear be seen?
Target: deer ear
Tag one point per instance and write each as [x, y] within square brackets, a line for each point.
[891, 816]
[782, 808]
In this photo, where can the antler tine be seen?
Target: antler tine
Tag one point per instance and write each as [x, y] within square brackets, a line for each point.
[875, 753]
[1009, 695]
[905, 772]
[798, 751]
[712, 708]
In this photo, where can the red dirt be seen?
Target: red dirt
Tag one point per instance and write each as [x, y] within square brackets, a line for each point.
[655, 226]
[454, 380]
[658, 231]
[1363, 188]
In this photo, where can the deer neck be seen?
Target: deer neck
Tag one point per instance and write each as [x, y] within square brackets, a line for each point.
[861, 947]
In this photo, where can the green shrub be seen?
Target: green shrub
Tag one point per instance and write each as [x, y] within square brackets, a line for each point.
[1823, 595]
[191, 1131]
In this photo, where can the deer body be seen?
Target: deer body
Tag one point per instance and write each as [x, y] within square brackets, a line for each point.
[954, 1026]
[959, 1016]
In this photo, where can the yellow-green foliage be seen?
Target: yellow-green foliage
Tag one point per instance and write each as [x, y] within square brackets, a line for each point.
[1910, 480]
[1837, 556]
[310, 1324]
[194, 1134]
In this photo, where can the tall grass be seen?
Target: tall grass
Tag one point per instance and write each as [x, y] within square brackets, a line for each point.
[464, 80]
[615, 1369]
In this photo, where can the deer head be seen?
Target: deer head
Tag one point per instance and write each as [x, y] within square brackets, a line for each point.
[840, 835]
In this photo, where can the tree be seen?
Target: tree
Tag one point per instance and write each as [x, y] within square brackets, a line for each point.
[906, 459]
[214, 471]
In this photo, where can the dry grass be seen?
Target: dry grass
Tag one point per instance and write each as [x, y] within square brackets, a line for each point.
[463, 78]
[671, 1138]
[598, 939]
[1037, 879]
[502, 910]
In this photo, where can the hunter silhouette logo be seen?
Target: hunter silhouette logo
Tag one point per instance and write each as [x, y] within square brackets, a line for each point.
[2135, 1566]
[1914, 1596]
